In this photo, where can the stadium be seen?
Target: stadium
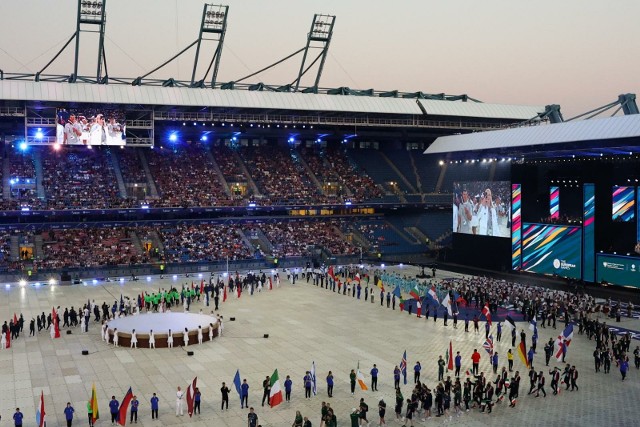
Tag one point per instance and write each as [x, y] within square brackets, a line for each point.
[284, 201]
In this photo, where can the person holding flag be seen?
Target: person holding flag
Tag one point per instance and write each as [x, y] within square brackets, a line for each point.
[313, 378]
[192, 393]
[275, 392]
[124, 407]
[92, 407]
[40, 414]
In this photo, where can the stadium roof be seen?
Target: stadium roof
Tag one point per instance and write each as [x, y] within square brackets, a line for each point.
[19, 90]
[611, 128]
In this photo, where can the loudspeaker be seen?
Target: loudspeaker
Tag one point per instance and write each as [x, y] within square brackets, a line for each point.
[85, 352]
[266, 335]
[189, 353]
[68, 331]
[233, 319]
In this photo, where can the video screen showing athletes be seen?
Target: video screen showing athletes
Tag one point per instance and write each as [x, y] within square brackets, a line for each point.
[482, 208]
[90, 126]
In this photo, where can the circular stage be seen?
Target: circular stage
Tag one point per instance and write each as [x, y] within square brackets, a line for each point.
[161, 323]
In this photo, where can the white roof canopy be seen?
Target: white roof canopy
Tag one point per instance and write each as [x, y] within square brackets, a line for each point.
[585, 130]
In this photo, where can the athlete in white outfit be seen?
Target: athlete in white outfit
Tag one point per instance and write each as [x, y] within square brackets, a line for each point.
[115, 337]
[170, 340]
[199, 334]
[179, 398]
[185, 337]
[152, 339]
[134, 339]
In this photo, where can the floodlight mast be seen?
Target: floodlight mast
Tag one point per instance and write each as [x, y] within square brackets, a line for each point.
[91, 14]
[214, 23]
[319, 37]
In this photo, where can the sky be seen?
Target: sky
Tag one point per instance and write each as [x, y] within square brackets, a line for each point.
[580, 54]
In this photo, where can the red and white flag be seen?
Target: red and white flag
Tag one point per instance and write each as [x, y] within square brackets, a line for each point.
[40, 413]
[191, 393]
[56, 324]
[487, 313]
[224, 293]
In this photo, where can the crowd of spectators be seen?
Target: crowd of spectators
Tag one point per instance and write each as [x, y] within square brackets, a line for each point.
[279, 176]
[185, 177]
[131, 167]
[21, 165]
[90, 247]
[332, 166]
[228, 164]
[204, 242]
[293, 238]
[562, 220]
[80, 178]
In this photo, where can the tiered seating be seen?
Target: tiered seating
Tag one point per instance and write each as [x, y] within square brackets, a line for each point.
[80, 178]
[428, 170]
[89, 247]
[372, 163]
[333, 166]
[194, 243]
[131, 167]
[279, 177]
[293, 238]
[228, 164]
[431, 224]
[185, 177]
[382, 237]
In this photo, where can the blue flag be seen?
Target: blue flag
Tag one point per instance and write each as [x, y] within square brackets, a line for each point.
[396, 292]
[403, 366]
[236, 382]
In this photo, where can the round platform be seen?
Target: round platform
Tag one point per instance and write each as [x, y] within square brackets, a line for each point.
[161, 323]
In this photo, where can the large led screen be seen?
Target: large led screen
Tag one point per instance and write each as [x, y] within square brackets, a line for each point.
[623, 203]
[618, 270]
[90, 126]
[552, 249]
[482, 208]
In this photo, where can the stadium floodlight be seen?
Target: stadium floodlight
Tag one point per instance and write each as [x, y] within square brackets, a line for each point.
[22, 282]
[23, 146]
[173, 137]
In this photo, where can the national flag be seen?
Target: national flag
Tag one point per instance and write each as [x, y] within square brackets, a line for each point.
[459, 299]
[487, 313]
[510, 323]
[415, 292]
[121, 302]
[403, 367]
[380, 285]
[402, 304]
[397, 292]
[236, 383]
[224, 292]
[191, 393]
[488, 345]
[56, 324]
[40, 413]
[275, 395]
[270, 284]
[450, 357]
[239, 288]
[357, 278]
[202, 286]
[124, 407]
[360, 378]
[533, 325]
[446, 302]
[93, 403]
[313, 377]
[563, 341]
[433, 294]
[522, 352]
[331, 274]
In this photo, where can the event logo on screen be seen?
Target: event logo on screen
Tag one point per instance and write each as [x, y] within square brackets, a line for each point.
[90, 126]
[482, 208]
[623, 203]
[552, 249]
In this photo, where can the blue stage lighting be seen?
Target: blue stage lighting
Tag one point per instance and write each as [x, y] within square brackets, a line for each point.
[23, 146]
[39, 135]
[204, 138]
[173, 137]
